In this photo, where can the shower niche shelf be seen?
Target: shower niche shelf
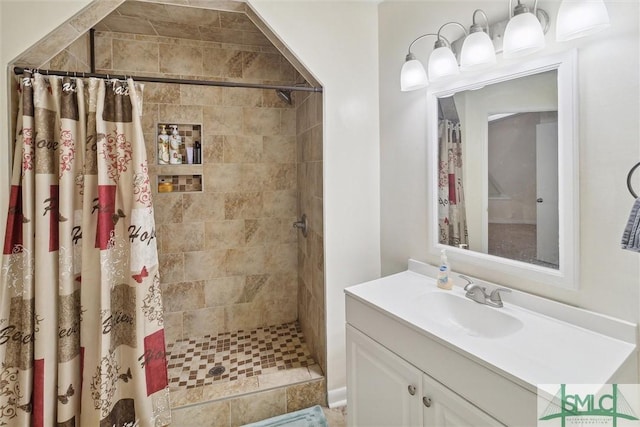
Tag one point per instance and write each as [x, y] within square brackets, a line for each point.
[185, 150]
[183, 183]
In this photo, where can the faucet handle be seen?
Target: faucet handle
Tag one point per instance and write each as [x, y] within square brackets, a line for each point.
[469, 281]
[495, 295]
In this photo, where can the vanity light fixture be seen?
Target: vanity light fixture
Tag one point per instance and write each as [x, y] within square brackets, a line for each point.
[477, 50]
[578, 18]
[442, 61]
[524, 33]
[413, 76]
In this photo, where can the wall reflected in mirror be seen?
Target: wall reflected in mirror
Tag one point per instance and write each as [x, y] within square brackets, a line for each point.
[498, 169]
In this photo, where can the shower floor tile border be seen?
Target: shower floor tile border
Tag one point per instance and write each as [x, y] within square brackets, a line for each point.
[243, 354]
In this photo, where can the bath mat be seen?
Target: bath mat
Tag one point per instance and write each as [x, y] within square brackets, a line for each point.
[310, 417]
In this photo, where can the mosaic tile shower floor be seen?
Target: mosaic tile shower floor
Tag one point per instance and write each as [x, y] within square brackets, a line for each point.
[196, 362]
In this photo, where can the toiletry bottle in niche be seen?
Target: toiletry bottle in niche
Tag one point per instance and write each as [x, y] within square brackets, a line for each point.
[443, 280]
[163, 146]
[174, 146]
[197, 152]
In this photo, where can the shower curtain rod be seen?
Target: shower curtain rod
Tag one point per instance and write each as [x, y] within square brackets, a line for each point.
[149, 79]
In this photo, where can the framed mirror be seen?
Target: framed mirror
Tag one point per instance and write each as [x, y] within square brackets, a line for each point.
[503, 169]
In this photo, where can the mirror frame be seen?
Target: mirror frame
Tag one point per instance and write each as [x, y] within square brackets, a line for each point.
[567, 276]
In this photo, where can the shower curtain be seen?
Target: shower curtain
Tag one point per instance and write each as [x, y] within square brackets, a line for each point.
[452, 219]
[81, 330]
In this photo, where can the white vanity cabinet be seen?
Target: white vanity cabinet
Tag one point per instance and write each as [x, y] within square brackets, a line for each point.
[385, 390]
[476, 365]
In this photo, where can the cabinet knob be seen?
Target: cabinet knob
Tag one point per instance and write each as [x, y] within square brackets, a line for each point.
[426, 401]
[412, 390]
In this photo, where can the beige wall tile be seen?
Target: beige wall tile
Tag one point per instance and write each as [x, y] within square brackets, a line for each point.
[213, 414]
[304, 395]
[134, 55]
[180, 59]
[167, 208]
[171, 267]
[103, 52]
[242, 149]
[224, 63]
[224, 291]
[182, 237]
[213, 149]
[243, 205]
[183, 296]
[289, 376]
[231, 388]
[288, 122]
[261, 121]
[172, 326]
[225, 234]
[279, 204]
[206, 321]
[199, 207]
[220, 120]
[201, 95]
[279, 149]
[243, 97]
[185, 396]
[249, 260]
[242, 316]
[264, 66]
[180, 113]
[258, 407]
[282, 258]
[162, 93]
[204, 265]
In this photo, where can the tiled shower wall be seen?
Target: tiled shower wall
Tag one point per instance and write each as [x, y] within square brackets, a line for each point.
[228, 254]
[311, 290]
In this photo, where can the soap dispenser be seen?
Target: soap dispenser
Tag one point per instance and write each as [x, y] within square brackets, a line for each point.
[443, 280]
[175, 158]
[163, 146]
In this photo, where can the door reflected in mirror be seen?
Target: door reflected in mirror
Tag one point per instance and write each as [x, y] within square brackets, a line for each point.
[498, 170]
[523, 187]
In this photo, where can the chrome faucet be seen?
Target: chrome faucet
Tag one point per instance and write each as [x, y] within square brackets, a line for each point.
[479, 294]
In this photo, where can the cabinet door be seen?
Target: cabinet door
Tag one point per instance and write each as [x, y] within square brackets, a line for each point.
[383, 390]
[444, 408]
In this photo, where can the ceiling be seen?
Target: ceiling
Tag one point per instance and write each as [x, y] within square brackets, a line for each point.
[186, 22]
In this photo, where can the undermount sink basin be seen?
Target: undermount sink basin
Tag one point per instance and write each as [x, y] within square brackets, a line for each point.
[467, 316]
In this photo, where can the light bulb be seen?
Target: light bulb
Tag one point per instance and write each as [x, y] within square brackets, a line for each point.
[442, 63]
[477, 51]
[578, 18]
[523, 35]
[413, 76]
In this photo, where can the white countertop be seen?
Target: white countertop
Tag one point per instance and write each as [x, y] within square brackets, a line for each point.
[545, 350]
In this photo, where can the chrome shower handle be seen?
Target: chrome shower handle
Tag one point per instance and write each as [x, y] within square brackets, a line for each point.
[302, 225]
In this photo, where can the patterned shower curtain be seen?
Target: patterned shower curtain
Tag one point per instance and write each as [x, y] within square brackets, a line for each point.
[452, 219]
[81, 330]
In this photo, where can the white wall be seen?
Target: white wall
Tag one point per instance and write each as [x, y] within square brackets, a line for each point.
[22, 24]
[608, 140]
[338, 42]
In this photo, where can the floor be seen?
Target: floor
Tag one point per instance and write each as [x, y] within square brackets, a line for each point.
[241, 377]
[515, 241]
[336, 417]
[236, 356]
